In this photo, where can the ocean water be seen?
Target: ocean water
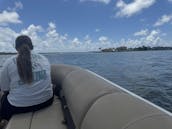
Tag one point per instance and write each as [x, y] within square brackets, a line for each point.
[146, 73]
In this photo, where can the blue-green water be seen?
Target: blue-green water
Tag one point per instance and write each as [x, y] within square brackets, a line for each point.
[147, 73]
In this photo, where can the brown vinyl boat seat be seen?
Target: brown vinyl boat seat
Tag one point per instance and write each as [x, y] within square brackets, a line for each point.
[94, 103]
[48, 118]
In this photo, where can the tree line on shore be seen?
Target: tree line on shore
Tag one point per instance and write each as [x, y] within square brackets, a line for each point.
[142, 48]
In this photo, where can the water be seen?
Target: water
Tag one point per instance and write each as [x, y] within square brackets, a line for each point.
[147, 73]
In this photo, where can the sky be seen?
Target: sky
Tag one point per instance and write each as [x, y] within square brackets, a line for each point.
[85, 25]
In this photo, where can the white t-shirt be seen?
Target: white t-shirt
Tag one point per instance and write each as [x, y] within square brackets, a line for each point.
[22, 94]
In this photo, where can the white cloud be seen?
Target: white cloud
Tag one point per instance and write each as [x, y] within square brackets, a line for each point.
[97, 30]
[164, 19]
[53, 35]
[9, 17]
[76, 42]
[170, 0]
[133, 7]
[141, 33]
[49, 40]
[32, 31]
[101, 1]
[51, 25]
[52, 31]
[104, 41]
[17, 6]
[7, 38]
[153, 37]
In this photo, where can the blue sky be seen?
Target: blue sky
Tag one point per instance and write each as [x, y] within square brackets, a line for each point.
[86, 25]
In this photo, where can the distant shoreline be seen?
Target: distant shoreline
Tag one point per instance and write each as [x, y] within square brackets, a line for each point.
[143, 48]
[7, 53]
[119, 49]
[14, 53]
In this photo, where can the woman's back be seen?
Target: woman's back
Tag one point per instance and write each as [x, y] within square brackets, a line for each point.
[23, 94]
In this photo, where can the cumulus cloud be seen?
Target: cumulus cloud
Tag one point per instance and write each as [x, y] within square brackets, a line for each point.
[97, 30]
[7, 17]
[17, 6]
[7, 38]
[105, 42]
[49, 40]
[153, 37]
[141, 33]
[164, 19]
[127, 10]
[149, 38]
[10, 15]
[32, 30]
[101, 1]
[103, 39]
[54, 38]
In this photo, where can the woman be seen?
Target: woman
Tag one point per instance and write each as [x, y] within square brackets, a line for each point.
[25, 81]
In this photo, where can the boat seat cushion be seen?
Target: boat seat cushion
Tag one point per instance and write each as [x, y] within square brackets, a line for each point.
[20, 121]
[81, 89]
[48, 118]
[123, 111]
[60, 71]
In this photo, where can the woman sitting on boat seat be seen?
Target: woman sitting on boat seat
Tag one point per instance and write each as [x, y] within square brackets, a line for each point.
[25, 81]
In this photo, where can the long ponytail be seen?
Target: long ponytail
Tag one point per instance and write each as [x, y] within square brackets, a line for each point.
[24, 64]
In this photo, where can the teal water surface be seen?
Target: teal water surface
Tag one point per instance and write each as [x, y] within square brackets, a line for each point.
[146, 73]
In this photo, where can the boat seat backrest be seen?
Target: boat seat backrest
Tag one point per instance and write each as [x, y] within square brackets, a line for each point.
[59, 72]
[96, 103]
[81, 90]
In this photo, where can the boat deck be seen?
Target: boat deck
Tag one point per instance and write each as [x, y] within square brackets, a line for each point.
[40, 119]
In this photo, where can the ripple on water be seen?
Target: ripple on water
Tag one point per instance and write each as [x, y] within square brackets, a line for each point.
[148, 74]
